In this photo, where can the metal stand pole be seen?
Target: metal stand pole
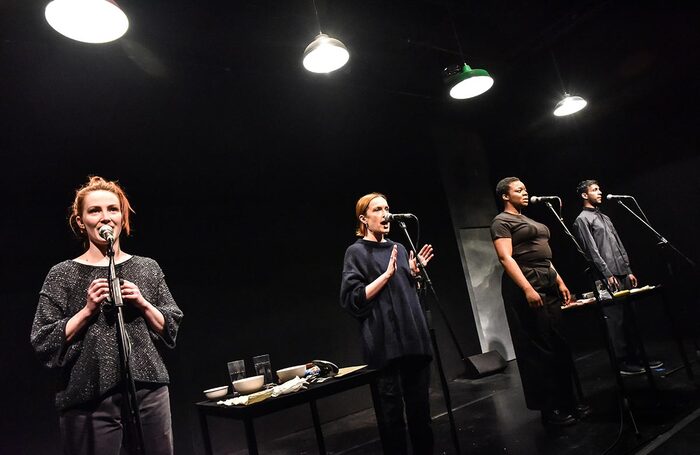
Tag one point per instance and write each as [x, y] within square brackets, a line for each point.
[433, 338]
[130, 407]
[592, 272]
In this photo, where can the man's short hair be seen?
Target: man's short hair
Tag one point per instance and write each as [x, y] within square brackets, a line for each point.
[582, 187]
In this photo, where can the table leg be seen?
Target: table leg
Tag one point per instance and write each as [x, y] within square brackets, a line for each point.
[640, 343]
[250, 436]
[677, 335]
[205, 432]
[317, 428]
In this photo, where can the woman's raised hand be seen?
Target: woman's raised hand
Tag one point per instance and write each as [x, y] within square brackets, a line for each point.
[96, 293]
[424, 256]
[391, 267]
[132, 292]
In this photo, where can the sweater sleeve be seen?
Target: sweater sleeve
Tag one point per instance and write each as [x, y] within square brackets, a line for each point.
[352, 289]
[172, 314]
[48, 336]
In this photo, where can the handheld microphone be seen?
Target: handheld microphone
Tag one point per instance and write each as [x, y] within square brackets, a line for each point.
[107, 233]
[536, 199]
[612, 197]
[397, 216]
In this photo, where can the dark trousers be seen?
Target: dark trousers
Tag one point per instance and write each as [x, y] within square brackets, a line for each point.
[404, 386]
[97, 429]
[619, 327]
[543, 354]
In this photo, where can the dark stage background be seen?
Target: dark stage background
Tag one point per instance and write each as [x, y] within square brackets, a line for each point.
[244, 169]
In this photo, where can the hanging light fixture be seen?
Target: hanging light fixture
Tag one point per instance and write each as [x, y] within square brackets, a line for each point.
[463, 81]
[88, 21]
[569, 105]
[324, 54]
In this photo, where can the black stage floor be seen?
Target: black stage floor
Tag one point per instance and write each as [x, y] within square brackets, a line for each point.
[492, 418]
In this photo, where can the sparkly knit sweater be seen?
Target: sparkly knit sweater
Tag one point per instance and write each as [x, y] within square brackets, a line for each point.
[88, 365]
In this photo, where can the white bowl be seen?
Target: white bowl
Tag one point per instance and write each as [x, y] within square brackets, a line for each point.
[285, 374]
[249, 385]
[216, 392]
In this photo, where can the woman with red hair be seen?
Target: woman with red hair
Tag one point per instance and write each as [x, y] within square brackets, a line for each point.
[74, 331]
[379, 290]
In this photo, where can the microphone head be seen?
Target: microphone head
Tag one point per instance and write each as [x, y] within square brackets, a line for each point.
[106, 232]
[537, 199]
[397, 216]
[610, 197]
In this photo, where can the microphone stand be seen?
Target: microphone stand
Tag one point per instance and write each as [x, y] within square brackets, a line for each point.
[662, 241]
[593, 273]
[130, 406]
[665, 245]
[425, 279]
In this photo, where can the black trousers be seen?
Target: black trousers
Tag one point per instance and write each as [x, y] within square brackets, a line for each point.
[96, 428]
[543, 354]
[619, 327]
[404, 386]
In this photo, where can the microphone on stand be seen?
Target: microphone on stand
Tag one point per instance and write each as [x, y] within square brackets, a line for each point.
[397, 216]
[536, 199]
[107, 233]
[612, 197]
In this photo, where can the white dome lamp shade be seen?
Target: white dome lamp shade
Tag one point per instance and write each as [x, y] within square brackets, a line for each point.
[569, 105]
[325, 54]
[88, 21]
[465, 82]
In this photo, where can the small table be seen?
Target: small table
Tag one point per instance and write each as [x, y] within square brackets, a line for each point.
[627, 299]
[314, 392]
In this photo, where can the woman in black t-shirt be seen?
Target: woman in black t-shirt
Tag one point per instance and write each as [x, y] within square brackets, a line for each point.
[533, 293]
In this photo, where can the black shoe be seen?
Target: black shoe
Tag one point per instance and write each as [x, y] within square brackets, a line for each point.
[582, 411]
[558, 418]
[630, 369]
[654, 363]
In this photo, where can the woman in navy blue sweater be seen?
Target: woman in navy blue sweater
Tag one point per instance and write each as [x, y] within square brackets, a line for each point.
[379, 290]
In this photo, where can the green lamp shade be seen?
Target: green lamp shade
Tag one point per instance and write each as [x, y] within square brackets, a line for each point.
[468, 83]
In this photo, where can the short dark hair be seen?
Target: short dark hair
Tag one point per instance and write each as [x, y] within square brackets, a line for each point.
[582, 187]
[503, 186]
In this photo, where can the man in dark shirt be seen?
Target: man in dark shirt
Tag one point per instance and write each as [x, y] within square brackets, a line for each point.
[603, 246]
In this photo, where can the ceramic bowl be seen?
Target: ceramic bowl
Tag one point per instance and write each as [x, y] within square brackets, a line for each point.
[249, 385]
[285, 374]
[216, 392]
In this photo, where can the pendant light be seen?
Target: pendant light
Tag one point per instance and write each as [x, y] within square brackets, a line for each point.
[463, 81]
[569, 104]
[88, 21]
[324, 54]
